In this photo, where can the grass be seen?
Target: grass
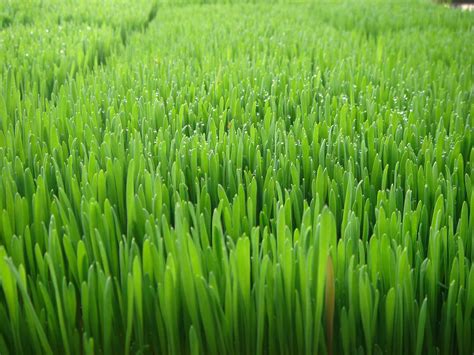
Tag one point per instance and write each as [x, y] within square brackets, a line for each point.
[236, 178]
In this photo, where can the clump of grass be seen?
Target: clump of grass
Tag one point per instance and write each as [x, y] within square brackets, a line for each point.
[237, 179]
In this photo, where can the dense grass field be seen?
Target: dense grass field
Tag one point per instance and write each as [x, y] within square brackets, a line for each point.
[236, 178]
